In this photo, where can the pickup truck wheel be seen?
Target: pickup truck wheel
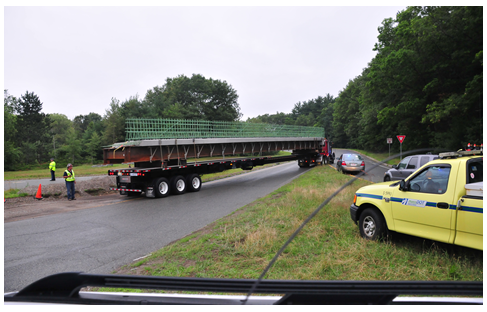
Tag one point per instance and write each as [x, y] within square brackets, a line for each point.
[372, 225]
[194, 182]
[162, 187]
[178, 185]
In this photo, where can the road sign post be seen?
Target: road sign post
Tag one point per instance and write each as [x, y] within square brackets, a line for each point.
[389, 141]
[401, 139]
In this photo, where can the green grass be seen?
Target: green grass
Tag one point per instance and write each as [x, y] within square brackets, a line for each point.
[13, 193]
[329, 247]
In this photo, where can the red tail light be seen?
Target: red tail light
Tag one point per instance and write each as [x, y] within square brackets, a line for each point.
[344, 163]
[363, 163]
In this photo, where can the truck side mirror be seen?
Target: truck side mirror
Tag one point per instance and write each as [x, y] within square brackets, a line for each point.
[394, 166]
[403, 186]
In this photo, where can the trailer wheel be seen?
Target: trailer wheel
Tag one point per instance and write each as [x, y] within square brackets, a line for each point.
[178, 185]
[194, 182]
[162, 187]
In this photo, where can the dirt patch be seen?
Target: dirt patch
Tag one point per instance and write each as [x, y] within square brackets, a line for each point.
[93, 193]
[97, 186]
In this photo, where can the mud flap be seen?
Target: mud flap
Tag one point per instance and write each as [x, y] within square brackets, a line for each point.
[149, 192]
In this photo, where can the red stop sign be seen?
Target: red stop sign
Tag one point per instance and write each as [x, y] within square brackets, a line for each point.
[401, 138]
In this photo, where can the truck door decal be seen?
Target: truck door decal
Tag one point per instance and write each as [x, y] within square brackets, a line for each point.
[414, 202]
[411, 202]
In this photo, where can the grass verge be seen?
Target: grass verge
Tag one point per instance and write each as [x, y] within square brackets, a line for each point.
[13, 193]
[329, 247]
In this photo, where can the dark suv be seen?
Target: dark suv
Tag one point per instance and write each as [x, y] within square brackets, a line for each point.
[407, 166]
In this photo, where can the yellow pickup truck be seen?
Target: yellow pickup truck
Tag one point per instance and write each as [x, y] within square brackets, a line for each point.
[442, 201]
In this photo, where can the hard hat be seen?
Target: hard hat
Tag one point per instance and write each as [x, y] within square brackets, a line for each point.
[69, 165]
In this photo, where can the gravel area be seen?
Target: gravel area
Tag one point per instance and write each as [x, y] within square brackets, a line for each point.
[95, 186]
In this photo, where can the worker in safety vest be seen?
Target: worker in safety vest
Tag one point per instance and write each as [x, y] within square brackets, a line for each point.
[70, 182]
[52, 169]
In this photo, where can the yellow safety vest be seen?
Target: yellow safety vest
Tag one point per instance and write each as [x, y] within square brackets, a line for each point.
[70, 173]
[52, 166]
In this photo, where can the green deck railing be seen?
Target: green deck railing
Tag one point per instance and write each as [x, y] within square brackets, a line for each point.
[145, 129]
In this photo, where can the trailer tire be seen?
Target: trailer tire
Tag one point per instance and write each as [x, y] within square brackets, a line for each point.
[193, 182]
[162, 188]
[178, 185]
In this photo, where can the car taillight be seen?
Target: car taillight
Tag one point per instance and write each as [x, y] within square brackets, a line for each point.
[363, 163]
[344, 163]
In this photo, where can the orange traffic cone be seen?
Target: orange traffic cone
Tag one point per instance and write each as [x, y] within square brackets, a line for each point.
[39, 194]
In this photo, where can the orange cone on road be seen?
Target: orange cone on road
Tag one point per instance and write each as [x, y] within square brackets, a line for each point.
[39, 193]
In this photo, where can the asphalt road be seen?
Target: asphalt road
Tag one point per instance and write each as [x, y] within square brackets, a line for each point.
[104, 238]
[101, 239]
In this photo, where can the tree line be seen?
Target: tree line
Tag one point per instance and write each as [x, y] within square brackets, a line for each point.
[425, 82]
[32, 137]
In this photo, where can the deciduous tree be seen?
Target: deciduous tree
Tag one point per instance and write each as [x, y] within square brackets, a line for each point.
[194, 98]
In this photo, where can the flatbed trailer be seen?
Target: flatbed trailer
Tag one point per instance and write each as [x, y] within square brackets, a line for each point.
[177, 179]
[160, 178]
[165, 165]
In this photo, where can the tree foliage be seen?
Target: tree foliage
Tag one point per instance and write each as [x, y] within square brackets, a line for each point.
[193, 98]
[312, 113]
[12, 153]
[32, 128]
[425, 82]
[114, 124]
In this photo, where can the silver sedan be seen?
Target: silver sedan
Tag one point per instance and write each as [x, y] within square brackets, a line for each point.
[350, 163]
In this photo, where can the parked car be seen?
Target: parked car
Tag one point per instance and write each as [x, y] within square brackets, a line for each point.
[350, 163]
[407, 166]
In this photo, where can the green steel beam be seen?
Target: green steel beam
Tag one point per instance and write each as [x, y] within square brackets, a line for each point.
[146, 129]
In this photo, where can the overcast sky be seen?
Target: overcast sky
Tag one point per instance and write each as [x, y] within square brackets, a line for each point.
[76, 59]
